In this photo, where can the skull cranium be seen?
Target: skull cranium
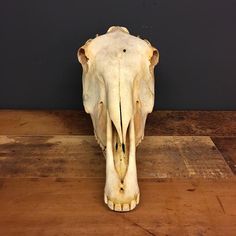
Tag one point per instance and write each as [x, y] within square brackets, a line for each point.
[118, 93]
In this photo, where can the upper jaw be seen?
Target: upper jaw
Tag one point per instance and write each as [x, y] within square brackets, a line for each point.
[120, 149]
[121, 188]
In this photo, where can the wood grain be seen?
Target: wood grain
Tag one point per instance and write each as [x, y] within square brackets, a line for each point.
[227, 147]
[45, 122]
[52, 122]
[80, 156]
[52, 206]
[52, 176]
[191, 123]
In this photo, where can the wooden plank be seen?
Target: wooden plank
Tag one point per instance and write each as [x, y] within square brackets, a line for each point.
[51, 122]
[44, 122]
[58, 206]
[227, 147]
[190, 123]
[52, 200]
[180, 156]
[80, 156]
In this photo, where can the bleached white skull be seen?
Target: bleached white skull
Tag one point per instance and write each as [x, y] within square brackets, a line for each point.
[118, 93]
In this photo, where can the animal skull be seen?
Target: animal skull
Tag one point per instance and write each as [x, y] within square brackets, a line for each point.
[118, 93]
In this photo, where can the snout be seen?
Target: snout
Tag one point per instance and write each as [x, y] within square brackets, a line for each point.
[120, 107]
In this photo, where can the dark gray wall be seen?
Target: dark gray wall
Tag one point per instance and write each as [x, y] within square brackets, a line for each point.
[196, 40]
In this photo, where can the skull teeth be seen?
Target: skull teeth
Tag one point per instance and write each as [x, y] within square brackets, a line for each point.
[121, 206]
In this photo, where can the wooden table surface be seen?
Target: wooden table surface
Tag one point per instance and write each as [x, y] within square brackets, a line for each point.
[52, 175]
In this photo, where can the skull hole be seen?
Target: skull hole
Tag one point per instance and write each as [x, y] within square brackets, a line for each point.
[155, 57]
[123, 147]
[120, 152]
[82, 56]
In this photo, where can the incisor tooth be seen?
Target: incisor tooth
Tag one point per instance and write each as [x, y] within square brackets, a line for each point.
[118, 207]
[105, 198]
[110, 205]
[125, 207]
[132, 204]
[137, 200]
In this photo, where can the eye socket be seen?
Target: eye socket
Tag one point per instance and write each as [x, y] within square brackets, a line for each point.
[83, 59]
[124, 50]
[155, 57]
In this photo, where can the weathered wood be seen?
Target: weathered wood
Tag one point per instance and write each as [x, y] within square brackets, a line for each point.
[52, 122]
[80, 156]
[45, 122]
[190, 123]
[40, 193]
[59, 206]
[227, 147]
[180, 156]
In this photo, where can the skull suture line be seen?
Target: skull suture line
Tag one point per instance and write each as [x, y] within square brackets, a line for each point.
[118, 93]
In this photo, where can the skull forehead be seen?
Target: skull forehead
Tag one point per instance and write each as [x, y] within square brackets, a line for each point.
[119, 62]
[117, 43]
[119, 50]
